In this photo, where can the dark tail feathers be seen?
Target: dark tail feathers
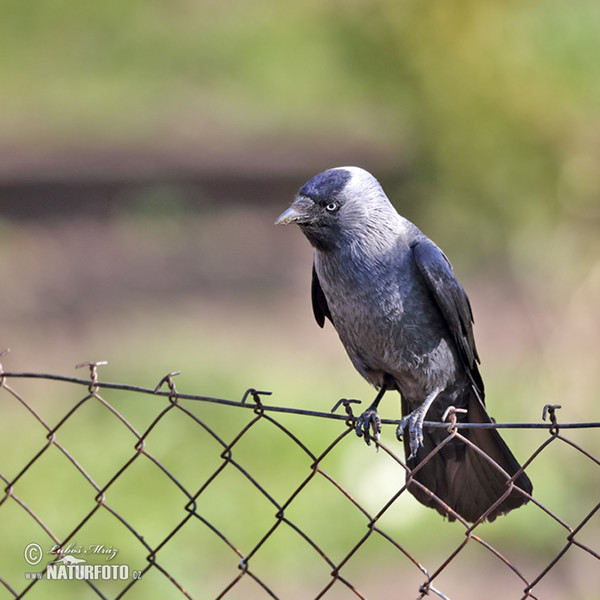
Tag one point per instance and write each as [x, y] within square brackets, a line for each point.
[464, 479]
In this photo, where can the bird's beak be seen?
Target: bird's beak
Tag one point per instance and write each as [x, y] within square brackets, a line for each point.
[298, 212]
[291, 215]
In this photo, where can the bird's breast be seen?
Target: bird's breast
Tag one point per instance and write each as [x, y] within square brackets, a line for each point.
[388, 324]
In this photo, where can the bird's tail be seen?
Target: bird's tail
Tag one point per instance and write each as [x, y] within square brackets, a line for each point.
[466, 480]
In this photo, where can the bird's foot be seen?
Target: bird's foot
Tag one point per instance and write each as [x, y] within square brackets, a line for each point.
[368, 425]
[414, 421]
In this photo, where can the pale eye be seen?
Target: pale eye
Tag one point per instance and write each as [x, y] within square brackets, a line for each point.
[331, 207]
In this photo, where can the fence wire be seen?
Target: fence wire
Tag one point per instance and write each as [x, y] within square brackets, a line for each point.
[187, 548]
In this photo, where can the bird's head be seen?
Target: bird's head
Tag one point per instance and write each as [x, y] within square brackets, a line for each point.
[339, 206]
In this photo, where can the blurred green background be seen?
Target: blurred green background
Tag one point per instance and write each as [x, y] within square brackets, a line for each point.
[146, 149]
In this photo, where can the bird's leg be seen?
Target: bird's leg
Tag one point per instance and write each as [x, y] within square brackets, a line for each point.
[414, 420]
[370, 421]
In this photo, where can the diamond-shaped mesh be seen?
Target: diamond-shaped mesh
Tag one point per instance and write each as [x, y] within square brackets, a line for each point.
[278, 509]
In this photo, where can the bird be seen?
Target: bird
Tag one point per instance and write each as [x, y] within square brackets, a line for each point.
[406, 324]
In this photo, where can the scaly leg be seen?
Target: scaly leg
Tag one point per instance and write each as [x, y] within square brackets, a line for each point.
[414, 420]
[370, 421]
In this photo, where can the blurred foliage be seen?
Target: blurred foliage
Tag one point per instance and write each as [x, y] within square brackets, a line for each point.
[499, 96]
[492, 108]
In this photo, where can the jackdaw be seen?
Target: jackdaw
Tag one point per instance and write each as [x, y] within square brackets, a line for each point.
[406, 324]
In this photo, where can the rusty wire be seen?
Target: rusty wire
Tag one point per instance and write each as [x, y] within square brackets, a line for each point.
[188, 511]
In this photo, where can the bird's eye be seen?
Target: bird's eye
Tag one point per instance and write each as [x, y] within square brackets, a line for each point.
[331, 207]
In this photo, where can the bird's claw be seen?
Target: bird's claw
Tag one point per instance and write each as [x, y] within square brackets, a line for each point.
[368, 426]
[414, 421]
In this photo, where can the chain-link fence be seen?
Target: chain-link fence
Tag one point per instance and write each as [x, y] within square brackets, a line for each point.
[137, 492]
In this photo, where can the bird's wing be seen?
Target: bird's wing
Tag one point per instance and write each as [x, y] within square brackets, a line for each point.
[452, 301]
[319, 302]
